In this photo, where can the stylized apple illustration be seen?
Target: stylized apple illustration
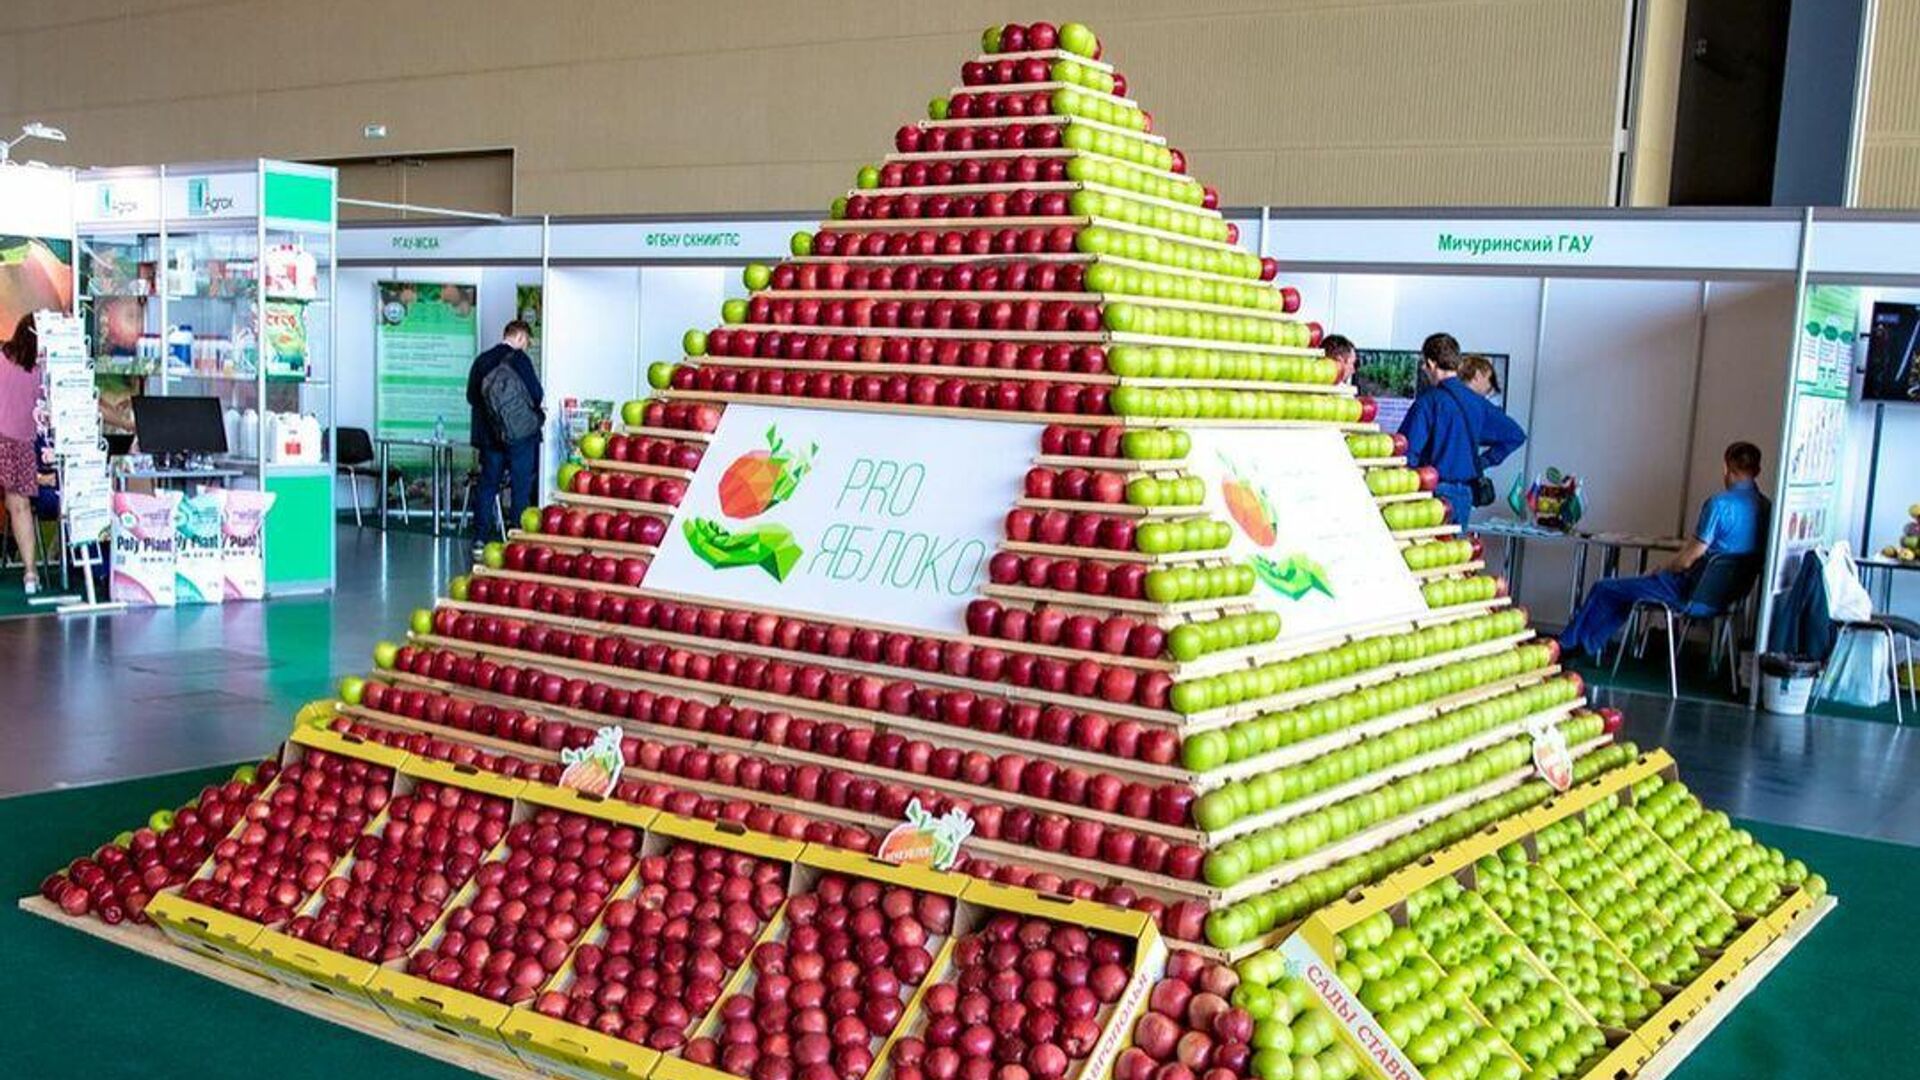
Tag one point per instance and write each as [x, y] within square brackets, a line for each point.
[763, 479]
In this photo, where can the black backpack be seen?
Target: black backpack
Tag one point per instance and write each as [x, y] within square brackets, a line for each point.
[509, 406]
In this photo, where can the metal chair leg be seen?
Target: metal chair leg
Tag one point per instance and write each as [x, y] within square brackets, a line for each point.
[1626, 635]
[1893, 673]
[353, 485]
[1673, 656]
[1733, 655]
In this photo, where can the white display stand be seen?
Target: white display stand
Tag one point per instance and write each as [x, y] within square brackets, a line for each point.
[86, 492]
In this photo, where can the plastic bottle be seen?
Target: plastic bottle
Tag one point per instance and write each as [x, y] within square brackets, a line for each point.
[309, 438]
[231, 420]
[249, 433]
[439, 429]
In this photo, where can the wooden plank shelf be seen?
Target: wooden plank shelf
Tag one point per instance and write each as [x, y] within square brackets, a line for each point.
[1433, 572]
[1056, 296]
[1118, 338]
[1361, 785]
[665, 433]
[608, 502]
[850, 665]
[1309, 749]
[1045, 119]
[1388, 831]
[1161, 664]
[1403, 497]
[905, 157]
[1171, 558]
[1046, 54]
[587, 543]
[862, 367]
[1167, 467]
[954, 412]
[1381, 462]
[636, 467]
[1434, 532]
[776, 752]
[1307, 695]
[1060, 598]
[792, 703]
[1049, 85]
[1119, 509]
[1032, 221]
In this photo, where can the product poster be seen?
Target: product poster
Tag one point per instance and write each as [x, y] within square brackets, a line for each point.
[1817, 435]
[871, 518]
[35, 275]
[1301, 514]
[1392, 377]
[528, 305]
[426, 340]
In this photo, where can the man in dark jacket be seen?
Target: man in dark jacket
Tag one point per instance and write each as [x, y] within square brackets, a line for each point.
[519, 461]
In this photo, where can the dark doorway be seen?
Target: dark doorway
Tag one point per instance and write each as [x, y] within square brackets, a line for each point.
[477, 182]
[1728, 121]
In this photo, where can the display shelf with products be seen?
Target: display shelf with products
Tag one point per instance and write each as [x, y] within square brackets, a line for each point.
[216, 280]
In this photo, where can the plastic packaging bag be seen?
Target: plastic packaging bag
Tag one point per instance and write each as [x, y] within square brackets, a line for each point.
[1857, 672]
[1847, 599]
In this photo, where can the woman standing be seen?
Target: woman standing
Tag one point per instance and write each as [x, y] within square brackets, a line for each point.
[19, 466]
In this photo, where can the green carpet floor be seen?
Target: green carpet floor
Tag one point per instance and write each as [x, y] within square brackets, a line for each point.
[1841, 1004]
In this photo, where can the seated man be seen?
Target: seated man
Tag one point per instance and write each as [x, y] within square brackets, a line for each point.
[1732, 522]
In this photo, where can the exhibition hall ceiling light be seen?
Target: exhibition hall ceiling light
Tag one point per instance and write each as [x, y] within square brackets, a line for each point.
[35, 130]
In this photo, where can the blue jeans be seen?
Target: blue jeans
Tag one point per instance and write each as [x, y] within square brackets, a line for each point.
[1458, 496]
[1606, 607]
[519, 462]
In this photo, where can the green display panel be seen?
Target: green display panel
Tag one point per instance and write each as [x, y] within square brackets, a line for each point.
[300, 530]
[299, 197]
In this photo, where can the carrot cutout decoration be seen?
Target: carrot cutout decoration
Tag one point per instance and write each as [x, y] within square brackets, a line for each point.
[760, 480]
[594, 769]
[1247, 504]
[925, 840]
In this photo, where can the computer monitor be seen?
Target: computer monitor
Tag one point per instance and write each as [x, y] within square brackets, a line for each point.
[179, 425]
[1893, 354]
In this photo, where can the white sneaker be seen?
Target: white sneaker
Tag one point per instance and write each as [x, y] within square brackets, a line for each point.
[30, 586]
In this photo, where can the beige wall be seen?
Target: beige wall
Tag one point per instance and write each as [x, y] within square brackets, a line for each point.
[637, 106]
[1890, 139]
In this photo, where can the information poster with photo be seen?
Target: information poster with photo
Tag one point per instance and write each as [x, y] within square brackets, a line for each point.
[1392, 377]
[880, 519]
[1301, 514]
[36, 274]
[1815, 440]
[427, 337]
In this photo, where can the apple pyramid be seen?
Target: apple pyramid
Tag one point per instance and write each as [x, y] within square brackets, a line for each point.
[1223, 660]
[1121, 714]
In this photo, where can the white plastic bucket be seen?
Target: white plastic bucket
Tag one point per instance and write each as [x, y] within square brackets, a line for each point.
[1785, 694]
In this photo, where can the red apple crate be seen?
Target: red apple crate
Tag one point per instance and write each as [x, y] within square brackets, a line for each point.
[470, 1019]
[816, 861]
[306, 966]
[229, 938]
[566, 1049]
[1148, 960]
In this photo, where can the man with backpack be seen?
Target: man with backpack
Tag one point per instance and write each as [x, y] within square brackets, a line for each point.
[1456, 431]
[506, 397]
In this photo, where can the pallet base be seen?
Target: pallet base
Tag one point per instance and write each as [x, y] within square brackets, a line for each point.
[1671, 1053]
[149, 942]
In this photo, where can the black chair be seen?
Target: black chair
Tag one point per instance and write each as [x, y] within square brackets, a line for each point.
[1716, 598]
[356, 461]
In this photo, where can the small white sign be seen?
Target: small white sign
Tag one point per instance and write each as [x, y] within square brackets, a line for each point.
[887, 519]
[1302, 516]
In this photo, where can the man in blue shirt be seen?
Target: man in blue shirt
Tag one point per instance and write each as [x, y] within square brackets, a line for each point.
[1732, 522]
[1454, 430]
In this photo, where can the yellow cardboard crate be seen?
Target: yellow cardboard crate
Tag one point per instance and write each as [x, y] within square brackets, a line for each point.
[576, 802]
[730, 835]
[305, 966]
[1622, 1062]
[349, 746]
[206, 930]
[468, 1019]
[854, 864]
[564, 1049]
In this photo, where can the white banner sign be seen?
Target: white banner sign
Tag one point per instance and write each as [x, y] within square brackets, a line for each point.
[214, 195]
[1616, 241]
[1302, 515]
[885, 519]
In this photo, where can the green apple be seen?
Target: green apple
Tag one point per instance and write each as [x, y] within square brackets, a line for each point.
[734, 312]
[421, 621]
[660, 374]
[530, 519]
[634, 413]
[160, 821]
[567, 473]
[1076, 38]
[937, 109]
[801, 244]
[351, 688]
[694, 342]
[866, 179]
[494, 555]
[990, 39]
[458, 587]
[593, 445]
[383, 655]
[756, 276]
